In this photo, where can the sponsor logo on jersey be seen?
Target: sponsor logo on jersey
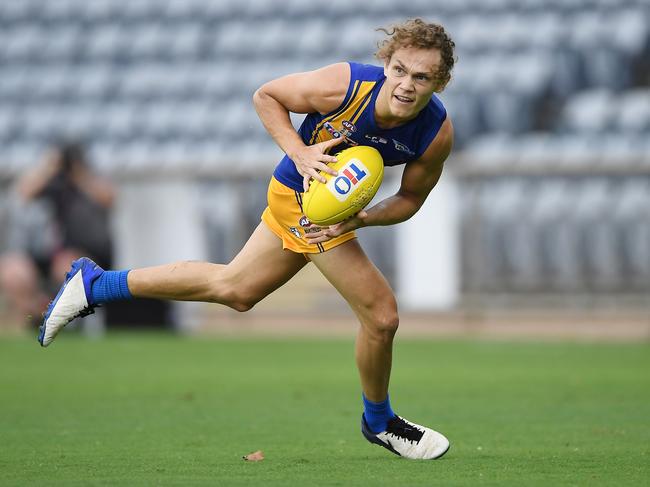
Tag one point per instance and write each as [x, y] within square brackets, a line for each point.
[349, 125]
[349, 179]
[295, 231]
[403, 148]
[375, 139]
[332, 131]
[304, 221]
[344, 132]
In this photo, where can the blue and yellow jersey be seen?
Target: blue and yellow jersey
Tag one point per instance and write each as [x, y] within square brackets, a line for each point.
[355, 121]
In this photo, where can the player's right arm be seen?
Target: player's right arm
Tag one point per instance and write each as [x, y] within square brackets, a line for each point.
[322, 91]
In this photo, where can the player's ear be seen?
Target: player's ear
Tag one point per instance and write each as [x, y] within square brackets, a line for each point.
[386, 63]
[440, 86]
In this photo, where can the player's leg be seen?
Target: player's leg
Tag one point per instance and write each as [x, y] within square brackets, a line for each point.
[366, 290]
[357, 279]
[261, 267]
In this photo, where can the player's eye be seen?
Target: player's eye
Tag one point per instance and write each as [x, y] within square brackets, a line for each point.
[398, 70]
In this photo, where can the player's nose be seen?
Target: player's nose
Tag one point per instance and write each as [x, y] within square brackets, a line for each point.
[407, 85]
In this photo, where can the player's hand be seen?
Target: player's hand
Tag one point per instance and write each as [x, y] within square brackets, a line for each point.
[311, 159]
[328, 233]
[51, 165]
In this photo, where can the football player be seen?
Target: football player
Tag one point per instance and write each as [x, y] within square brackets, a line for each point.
[392, 107]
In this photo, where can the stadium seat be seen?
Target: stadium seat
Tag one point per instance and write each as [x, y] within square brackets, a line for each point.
[512, 260]
[492, 151]
[589, 111]
[632, 214]
[8, 126]
[466, 110]
[602, 269]
[19, 156]
[539, 151]
[632, 30]
[634, 112]
[15, 12]
[63, 44]
[557, 232]
[187, 41]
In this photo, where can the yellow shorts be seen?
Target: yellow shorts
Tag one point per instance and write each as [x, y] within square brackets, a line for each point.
[284, 217]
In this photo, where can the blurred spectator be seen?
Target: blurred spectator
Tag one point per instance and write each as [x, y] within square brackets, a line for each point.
[79, 203]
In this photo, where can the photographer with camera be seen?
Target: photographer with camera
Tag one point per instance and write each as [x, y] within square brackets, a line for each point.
[79, 202]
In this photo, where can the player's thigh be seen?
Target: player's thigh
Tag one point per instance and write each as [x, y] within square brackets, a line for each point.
[355, 277]
[263, 265]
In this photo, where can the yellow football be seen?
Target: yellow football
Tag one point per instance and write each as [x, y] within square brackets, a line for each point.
[360, 172]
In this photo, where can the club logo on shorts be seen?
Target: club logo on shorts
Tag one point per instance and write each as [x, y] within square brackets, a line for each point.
[295, 231]
[349, 178]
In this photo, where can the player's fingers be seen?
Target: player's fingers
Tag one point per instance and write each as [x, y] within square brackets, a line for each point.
[341, 228]
[331, 143]
[327, 158]
[362, 214]
[314, 232]
[328, 169]
[305, 182]
[316, 175]
[335, 230]
[328, 144]
[325, 168]
[313, 239]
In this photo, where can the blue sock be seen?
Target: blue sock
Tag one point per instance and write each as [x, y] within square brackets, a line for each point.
[377, 414]
[110, 286]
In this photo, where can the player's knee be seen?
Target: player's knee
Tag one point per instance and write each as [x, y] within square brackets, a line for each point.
[386, 325]
[239, 300]
[384, 320]
[242, 305]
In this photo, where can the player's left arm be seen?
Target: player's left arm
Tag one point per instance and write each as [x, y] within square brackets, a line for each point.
[418, 179]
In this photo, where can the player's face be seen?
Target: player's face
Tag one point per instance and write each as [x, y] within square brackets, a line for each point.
[410, 81]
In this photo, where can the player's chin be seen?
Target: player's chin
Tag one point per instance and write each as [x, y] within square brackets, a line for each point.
[402, 109]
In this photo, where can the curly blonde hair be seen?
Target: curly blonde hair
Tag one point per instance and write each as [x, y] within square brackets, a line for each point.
[417, 33]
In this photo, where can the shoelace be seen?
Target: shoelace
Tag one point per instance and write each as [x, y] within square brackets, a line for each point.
[400, 429]
[87, 310]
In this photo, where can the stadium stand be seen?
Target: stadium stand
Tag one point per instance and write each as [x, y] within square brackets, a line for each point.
[550, 100]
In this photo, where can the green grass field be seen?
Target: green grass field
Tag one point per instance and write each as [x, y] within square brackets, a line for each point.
[164, 410]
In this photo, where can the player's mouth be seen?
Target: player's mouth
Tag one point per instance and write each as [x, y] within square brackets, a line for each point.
[404, 100]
